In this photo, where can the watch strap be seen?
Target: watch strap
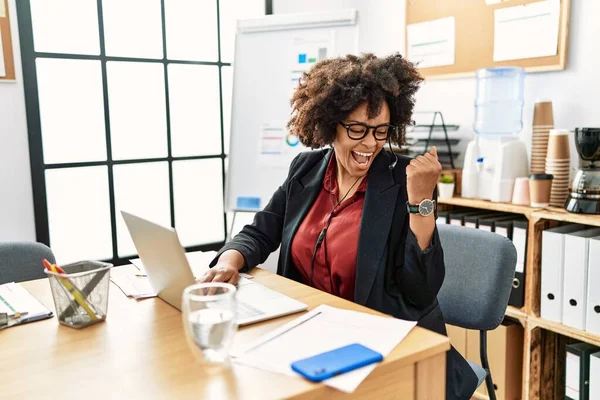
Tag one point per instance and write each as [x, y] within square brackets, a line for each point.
[412, 208]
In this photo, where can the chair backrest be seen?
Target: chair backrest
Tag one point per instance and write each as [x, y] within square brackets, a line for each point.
[22, 261]
[480, 268]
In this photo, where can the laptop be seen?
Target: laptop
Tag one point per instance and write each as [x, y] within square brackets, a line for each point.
[169, 273]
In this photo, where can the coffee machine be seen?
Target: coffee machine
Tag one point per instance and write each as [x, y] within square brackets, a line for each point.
[584, 196]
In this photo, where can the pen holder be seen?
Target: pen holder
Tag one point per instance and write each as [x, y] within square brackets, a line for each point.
[81, 293]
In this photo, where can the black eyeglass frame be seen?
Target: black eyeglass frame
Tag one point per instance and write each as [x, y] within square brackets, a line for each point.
[369, 128]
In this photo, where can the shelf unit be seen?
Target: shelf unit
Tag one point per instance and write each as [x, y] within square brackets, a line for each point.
[544, 341]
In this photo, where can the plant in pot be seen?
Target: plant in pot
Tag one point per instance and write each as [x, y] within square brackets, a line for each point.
[446, 186]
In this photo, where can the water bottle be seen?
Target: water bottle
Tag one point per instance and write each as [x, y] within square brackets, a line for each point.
[499, 101]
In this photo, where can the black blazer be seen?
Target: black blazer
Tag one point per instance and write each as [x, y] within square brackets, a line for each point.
[393, 274]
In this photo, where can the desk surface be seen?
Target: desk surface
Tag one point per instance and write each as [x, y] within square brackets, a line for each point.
[140, 352]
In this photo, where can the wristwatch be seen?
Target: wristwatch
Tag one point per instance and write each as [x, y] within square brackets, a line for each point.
[425, 207]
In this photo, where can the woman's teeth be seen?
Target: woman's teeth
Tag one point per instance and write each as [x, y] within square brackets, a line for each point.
[361, 158]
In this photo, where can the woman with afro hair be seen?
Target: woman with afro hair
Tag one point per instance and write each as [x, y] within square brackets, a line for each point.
[353, 219]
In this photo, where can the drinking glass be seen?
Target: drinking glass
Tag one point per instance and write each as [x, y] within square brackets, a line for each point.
[209, 320]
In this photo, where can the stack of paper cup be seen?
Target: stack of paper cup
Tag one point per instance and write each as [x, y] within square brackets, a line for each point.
[558, 164]
[543, 121]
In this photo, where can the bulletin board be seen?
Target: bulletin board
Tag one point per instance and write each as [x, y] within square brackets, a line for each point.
[7, 60]
[474, 35]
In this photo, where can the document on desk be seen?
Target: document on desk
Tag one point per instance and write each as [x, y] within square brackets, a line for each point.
[15, 298]
[324, 328]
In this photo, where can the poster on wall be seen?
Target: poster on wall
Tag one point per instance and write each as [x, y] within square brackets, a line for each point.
[277, 147]
[432, 43]
[526, 31]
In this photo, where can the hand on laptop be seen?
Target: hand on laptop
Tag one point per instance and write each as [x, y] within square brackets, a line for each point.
[221, 272]
[226, 270]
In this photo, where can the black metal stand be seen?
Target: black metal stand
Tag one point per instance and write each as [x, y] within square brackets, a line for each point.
[433, 127]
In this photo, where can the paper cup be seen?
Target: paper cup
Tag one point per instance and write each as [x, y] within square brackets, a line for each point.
[521, 191]
[558, 144]
[542, 113]
[539, 189]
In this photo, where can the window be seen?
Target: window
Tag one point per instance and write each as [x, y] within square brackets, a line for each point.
[128, 107]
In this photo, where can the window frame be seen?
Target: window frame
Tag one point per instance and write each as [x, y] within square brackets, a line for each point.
[39, 167]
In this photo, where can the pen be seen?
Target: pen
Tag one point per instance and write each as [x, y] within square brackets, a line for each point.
[71, 288]
[6, 320]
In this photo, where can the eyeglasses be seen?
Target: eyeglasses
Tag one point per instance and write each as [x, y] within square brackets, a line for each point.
[358, 130]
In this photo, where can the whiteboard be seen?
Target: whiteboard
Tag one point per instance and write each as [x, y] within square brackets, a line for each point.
[270, 54]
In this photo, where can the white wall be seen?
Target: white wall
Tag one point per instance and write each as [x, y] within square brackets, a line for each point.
[16, 199]
[575, 92]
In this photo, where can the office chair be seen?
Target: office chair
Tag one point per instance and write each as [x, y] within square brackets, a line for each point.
[22, 261]
[480, 268]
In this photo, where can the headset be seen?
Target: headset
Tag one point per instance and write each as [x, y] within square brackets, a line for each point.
[393, 164]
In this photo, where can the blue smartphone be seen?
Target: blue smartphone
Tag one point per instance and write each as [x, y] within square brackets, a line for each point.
[326, 365]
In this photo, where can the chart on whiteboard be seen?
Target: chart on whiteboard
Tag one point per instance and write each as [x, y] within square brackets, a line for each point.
[278, 147]
[306, 52]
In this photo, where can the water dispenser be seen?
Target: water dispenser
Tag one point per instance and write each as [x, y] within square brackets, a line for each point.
[496, 156]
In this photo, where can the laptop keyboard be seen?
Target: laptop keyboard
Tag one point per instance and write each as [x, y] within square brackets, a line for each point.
[245, 311]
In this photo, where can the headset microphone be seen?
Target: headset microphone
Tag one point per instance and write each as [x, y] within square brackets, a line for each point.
[392, 165]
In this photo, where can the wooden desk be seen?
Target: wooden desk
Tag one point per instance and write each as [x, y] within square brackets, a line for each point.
[140, 352]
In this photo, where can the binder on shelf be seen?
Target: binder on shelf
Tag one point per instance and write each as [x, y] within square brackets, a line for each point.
[592, 320]
[595, 376]
[519, 238]
[472, 221]
[553, 251]
[442, 217]
[458, 217]
[489, 223]
[575, 277]
[578, 371]
[504, 228]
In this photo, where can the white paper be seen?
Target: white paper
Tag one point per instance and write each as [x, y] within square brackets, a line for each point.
[2, 68]
[15, 298]
[323, 329]
[526, 31]
[126, 278]
[572, 372]
[432, 43]
[2, 11]
[277, 147]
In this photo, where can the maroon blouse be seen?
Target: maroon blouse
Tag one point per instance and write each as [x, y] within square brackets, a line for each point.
[335, 261]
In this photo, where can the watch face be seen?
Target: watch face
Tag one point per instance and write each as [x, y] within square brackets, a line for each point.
[426, 207]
